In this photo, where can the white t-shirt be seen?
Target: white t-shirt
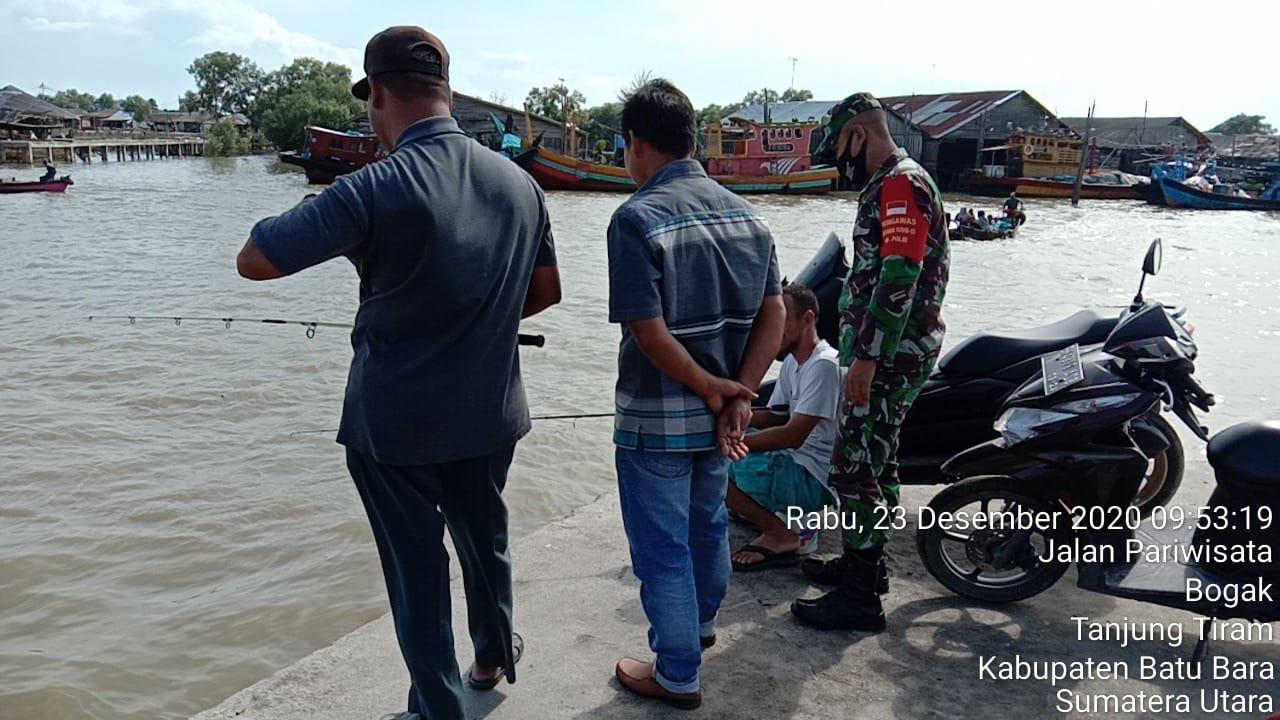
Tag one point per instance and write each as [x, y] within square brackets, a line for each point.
[813, 389]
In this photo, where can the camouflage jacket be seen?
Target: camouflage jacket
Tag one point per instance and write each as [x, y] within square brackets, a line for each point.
[891, 306]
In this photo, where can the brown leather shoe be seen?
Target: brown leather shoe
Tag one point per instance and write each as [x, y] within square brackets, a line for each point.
[637, 676]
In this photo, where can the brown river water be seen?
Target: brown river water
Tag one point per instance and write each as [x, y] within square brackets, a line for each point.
[176, 521]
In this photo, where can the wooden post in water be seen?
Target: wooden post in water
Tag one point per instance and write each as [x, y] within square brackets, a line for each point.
[1084, 156]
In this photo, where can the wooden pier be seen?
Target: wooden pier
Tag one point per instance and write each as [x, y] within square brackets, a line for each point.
[86, 150]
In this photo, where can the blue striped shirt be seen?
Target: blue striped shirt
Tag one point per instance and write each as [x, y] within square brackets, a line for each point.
[685, 249]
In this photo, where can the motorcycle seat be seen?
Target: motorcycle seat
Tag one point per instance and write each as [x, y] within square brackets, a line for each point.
[985, 353]
[1244, 458]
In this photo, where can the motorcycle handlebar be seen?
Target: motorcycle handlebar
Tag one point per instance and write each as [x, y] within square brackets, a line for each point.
[1191, 388]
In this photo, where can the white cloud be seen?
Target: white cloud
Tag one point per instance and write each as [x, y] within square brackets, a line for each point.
[119, 16]
[234, 25]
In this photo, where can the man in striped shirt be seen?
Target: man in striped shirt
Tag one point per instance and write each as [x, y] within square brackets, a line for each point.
[693, 280]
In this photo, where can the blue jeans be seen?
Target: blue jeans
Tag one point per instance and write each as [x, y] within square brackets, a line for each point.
[678, 528]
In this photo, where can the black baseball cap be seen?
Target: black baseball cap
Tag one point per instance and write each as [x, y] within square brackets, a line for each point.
[403, 48]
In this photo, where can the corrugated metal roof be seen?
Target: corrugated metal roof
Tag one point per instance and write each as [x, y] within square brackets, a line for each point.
[1246, 147]
[16, 104]
[1137, 132]
[939, 115]
[802, 111]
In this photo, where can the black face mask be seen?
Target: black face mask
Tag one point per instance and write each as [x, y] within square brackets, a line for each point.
[854, 167]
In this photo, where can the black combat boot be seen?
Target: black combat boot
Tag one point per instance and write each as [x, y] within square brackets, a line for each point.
[855, 603]
[832, 571]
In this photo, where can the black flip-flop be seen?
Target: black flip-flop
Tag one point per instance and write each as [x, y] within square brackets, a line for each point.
[517, 651]
[772, 559]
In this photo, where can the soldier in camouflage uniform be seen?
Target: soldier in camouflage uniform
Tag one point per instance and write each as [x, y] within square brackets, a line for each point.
[890, 333]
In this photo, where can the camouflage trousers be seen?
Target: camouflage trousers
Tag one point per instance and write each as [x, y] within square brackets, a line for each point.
[864, 465]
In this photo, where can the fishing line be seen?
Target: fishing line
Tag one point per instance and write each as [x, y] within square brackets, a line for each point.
[310, 325]
[535, 417]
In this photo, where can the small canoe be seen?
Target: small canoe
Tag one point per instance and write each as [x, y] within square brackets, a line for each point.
[54, 186]
[973, 233]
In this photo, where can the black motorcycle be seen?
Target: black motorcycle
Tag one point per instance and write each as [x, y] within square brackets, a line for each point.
[1057, 487]
[962, 397]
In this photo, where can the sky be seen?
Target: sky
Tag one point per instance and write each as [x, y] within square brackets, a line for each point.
[1133, 52]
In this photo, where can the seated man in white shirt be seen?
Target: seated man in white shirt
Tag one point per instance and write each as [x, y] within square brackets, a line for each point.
[790, 453]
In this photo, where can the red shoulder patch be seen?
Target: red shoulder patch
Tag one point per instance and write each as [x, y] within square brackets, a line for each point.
[904, 229]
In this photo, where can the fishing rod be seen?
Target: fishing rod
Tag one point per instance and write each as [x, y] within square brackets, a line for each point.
[535, 417]
[310, 325]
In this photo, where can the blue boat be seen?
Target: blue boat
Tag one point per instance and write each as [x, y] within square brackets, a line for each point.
[1180, 195]
[1177, 167]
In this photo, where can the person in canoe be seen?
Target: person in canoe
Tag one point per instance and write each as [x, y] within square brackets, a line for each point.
[50, 172]
[1013, 208]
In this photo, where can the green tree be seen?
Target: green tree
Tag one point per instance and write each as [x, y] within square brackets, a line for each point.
[557, 102]
[105, 102]
[713, 113]
[603, 121]
[1243, 124]
[763, 95]
[225, 82]
[140, 107]
[71, 99]
[305, 92]
[756, 97]
[188, 102]
[225, 140]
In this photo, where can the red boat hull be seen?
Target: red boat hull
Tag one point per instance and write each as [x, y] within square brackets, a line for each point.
[55, 186]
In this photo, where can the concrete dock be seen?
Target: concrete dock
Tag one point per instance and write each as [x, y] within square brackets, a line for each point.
[578, 609]
[88, 149]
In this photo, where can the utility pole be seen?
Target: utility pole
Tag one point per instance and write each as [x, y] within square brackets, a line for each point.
[793, 72]
[982, 137]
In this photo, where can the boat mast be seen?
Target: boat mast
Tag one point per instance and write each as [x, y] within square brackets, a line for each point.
[1084, 156]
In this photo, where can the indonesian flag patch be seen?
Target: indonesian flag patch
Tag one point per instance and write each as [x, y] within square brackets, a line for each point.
[904, 229]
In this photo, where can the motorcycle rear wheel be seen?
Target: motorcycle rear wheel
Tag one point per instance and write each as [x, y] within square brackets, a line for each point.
[968, 561]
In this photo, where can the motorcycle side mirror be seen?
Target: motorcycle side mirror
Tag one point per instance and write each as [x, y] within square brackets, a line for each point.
[1155, 254]
[1150, 266]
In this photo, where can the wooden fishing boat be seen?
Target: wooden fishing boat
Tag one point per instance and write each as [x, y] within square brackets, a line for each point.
[53, 186]
[554, 171]
[1152, 193]
[746, 157]
[1176, 167]
[749, 157]
[330, 153]
[1181, 195]
[1039, 165]
[814, 181]
[1047, 188]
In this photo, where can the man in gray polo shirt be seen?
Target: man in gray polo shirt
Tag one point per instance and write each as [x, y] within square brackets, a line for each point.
[453, 247]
